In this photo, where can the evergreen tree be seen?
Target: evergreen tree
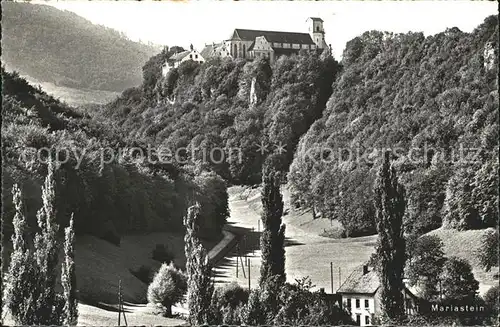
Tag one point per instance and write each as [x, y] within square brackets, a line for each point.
[390, 250]
[198, 269]
[46, 255]
[68, 277]
[18, 294]
[30, 294]
[272, 240]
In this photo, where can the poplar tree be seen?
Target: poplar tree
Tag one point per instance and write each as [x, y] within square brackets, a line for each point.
[68, 277]
[272, 240]
[198, 269]
[46, 255]
[390, 250]
[18, 294]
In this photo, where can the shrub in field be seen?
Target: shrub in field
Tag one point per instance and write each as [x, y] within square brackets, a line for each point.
[227, 302]
[168, 287]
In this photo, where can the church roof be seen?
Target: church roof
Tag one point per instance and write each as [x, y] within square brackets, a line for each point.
[272, 36]
[360, 283]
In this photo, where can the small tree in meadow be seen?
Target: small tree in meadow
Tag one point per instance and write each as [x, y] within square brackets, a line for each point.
[168, 287]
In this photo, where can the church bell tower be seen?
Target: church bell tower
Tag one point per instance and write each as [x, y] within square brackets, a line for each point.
[317, 32]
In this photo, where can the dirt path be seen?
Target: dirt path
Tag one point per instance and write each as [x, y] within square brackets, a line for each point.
[307, 254]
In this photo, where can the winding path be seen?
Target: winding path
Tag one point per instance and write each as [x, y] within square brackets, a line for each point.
[307, 254]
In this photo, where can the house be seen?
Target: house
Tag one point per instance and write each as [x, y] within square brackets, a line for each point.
[215, 50]
[361, 295]
[250, 44]
[175, 60]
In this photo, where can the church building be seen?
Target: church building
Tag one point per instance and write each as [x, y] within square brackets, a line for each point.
[250, 44]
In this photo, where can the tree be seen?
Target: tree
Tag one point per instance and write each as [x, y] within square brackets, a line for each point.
[200, 286]
[491, 299]
[488, 251]
[390, 208]
[46, 255]
[272, 240]
[425, 265]
[18, 297]
[168, 287]
[457, 280]
[68, 277]
[31, 284]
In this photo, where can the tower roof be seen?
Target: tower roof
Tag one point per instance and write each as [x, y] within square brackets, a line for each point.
[317, 19]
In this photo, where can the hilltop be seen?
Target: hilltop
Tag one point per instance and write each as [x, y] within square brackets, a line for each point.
[60, 47]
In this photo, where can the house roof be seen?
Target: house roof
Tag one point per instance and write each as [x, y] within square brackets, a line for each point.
[179, 56]
[272, 36]
[207, 51]
[316, 19]
[359, 283]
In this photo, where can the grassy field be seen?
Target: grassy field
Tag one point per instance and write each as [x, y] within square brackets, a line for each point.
[75, 97]
[309, 254]
[464, 244]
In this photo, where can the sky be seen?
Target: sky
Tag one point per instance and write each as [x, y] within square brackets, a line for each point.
[203, 22]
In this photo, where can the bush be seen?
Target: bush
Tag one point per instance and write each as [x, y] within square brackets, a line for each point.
[161, 254]
[168, 287]
[227, 303]
[144, 274]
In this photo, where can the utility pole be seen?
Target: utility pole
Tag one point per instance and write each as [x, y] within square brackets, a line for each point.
[249, 277]
[120, 304]
[331, 275]
[340, 278]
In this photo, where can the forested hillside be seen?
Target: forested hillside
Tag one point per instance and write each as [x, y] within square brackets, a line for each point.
[434, 102]
[233, 105]
[63, 48]
[109, 192]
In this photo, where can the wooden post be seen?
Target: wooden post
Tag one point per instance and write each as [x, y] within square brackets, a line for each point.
[258, 226]
[331, 275]
[249, 277]
[119, 300]
[237, 257]
[242, 267]
[340, 278]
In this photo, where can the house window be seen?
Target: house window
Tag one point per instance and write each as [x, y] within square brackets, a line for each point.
[196, 56]
[349, 303]
[190, 56]
[358, 303]
[367, 304]
[317, 28]
[367, 320]
[358, 319]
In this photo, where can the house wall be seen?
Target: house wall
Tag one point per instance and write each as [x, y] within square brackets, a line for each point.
[193, 55]
[362, 311]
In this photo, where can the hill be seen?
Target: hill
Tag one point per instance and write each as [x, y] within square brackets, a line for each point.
[65, 49]
[106, 180]
[433, 102]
